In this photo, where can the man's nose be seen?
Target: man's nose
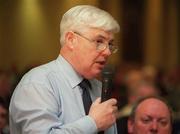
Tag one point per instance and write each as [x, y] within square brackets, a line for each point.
[107, 51]
[154, 127]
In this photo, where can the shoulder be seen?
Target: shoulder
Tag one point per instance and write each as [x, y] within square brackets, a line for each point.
[39, 74]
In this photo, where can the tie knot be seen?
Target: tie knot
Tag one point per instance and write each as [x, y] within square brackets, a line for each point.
[85, 84]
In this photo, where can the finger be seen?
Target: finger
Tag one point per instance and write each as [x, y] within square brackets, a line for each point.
[117, 114]
[115, 108]
[112, 101]
[115, 111]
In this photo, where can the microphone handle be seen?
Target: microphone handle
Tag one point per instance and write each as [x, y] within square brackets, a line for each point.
[105, 90]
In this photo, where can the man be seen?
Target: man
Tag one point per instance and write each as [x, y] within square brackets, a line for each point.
[48, 99]
[151, 115]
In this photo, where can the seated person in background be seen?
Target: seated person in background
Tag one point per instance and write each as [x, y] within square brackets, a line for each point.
[137, 88]
[142, 91]
[3, 118]
[5, 87]
[150, 115]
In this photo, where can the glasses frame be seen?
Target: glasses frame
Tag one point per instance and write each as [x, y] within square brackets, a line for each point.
[100, 46]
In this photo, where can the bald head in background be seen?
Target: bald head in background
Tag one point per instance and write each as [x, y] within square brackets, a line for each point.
[150, 115]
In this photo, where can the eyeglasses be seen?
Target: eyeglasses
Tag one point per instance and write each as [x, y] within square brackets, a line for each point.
[100, 44]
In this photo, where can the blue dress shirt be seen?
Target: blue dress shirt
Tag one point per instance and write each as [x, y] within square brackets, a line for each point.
[48, 100]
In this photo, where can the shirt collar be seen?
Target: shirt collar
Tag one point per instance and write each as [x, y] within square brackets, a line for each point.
[73, 77]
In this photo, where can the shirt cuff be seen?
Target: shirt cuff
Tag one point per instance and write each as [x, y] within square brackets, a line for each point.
[88, 125]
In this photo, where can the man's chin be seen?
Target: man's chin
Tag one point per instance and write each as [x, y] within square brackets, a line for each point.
[100, 67]
[95, 72]
[98, 72]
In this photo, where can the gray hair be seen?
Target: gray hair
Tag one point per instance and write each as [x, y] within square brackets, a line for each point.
[86, 16]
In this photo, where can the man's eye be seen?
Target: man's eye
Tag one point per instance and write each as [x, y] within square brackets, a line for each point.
[163, 122]
[145, 121]
[99, 41]
[111, 44]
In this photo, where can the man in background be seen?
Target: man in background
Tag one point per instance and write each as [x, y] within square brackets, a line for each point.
[151, 115]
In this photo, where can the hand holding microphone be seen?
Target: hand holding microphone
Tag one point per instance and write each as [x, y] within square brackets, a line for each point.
[104, 110]
[104, 114]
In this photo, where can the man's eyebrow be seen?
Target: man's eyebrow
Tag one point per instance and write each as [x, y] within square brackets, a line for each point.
[101, 36]
[146, 116]
[159, 118]
[163, 118]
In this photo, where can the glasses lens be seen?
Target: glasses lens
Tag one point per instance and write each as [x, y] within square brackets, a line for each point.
[113, 49]
[102, 47]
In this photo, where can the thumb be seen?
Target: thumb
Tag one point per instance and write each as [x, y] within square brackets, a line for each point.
[97, 101]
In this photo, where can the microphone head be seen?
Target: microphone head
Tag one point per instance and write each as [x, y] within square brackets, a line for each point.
[107, 76]
[107, 72]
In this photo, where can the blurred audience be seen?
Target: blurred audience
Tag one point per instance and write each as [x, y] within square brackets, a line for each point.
[172, 84]
[137, 87]
[5, 87]
[149, 74]
[137, 82]
[4, 128]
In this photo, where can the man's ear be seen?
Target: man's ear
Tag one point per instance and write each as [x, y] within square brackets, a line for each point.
[130, 126]
[70, 39]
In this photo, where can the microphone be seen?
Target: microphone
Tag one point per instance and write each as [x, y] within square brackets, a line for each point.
[107, 75]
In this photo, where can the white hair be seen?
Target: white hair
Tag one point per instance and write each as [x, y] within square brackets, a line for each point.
[82, 16]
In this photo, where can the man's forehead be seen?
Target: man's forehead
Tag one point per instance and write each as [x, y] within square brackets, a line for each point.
[100, 33]
[153, 105]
